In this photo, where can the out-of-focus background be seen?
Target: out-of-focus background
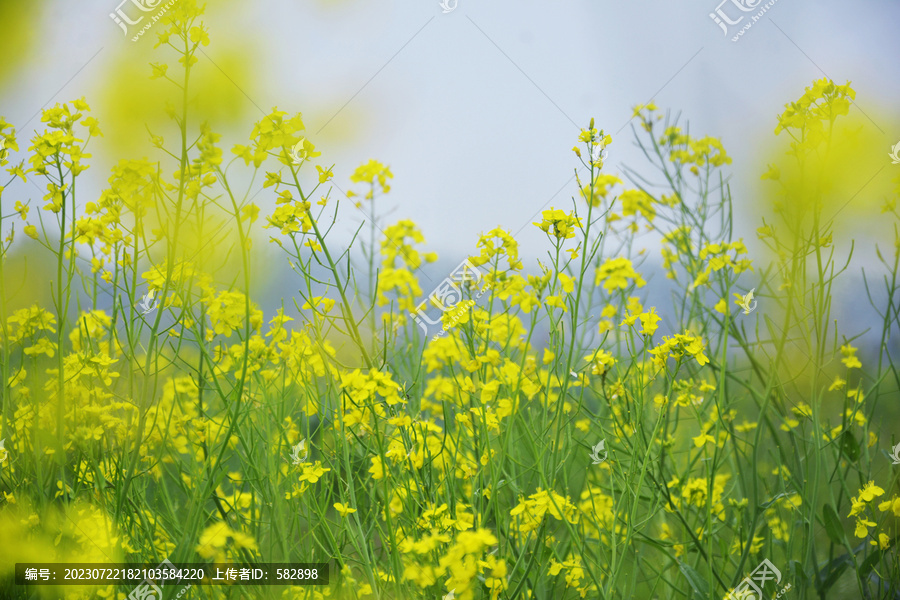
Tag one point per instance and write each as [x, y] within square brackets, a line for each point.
[476, 106]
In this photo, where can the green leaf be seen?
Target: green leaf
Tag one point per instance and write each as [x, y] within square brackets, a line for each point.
[798, 575]
[831, 573]
[833, 525]
[868, 564]
[828, 576]
[849, 446]
[697, 583]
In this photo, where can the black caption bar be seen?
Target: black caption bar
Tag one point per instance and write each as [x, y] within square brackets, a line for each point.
[152, 576]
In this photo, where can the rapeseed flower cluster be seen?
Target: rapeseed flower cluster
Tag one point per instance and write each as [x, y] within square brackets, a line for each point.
[220, 426]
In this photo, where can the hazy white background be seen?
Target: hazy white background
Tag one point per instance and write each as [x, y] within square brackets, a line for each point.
[476, 111]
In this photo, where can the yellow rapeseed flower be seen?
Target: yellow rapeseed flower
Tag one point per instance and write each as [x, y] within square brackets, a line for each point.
[615, 273]
[344, 510]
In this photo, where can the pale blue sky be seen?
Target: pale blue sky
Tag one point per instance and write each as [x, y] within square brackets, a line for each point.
[476, 110]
